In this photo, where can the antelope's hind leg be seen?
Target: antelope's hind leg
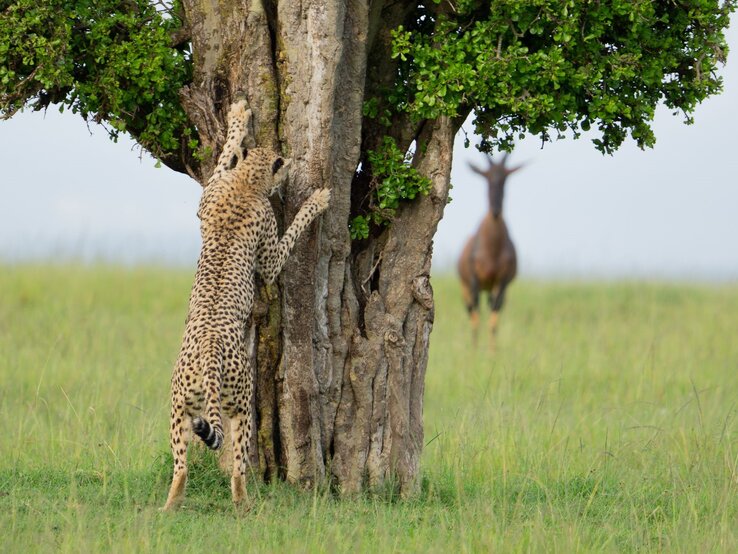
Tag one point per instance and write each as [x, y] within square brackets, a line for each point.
[496, 300]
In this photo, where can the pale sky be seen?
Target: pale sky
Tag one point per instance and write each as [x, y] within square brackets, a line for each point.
[666, 213]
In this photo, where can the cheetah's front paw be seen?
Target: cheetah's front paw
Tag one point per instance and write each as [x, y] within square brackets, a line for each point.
[321, 198]
[239, 107]
[239, 118]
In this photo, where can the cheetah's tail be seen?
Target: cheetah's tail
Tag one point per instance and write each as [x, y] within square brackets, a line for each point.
[207, 433]
[210, 430]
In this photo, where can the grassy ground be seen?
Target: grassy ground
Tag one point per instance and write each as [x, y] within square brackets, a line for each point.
[604, 422]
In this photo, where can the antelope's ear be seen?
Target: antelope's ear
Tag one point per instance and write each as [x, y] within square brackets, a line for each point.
[279, 162]
[511, 170]
[476, 169]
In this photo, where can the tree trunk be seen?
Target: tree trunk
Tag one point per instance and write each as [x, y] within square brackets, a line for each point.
[341, 343]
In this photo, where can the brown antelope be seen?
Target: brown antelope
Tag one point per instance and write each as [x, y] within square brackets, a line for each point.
[488, 261]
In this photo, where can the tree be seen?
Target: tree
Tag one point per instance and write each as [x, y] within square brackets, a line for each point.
[366, 98]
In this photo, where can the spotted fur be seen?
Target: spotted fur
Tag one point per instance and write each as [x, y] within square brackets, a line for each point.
[213, 376]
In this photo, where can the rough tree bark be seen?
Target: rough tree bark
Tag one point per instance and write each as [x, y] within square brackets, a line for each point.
[341, 343]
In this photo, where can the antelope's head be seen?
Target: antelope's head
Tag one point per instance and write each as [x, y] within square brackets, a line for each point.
[496, 175]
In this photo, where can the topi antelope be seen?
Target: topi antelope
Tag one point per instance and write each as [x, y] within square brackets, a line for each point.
[488, 261]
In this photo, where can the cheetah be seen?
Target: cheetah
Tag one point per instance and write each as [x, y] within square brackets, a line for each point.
[213, 375]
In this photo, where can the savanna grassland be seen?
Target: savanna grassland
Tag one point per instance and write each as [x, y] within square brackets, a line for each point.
[604, 421]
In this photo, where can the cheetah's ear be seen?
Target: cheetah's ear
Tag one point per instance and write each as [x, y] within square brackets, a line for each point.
[279, 162]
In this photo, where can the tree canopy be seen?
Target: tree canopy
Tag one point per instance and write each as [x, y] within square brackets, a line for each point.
[117, 62]
[548, 66]
[542, 66]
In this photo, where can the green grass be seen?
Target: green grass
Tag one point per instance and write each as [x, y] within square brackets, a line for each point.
[605, 421]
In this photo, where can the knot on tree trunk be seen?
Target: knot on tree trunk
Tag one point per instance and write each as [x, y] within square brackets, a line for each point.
[393, 339]
[393, 335]
[423, 292]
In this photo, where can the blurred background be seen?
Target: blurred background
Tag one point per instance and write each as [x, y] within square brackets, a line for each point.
[670, 213]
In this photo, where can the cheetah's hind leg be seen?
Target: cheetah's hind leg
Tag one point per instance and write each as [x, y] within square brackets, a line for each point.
[240, 435]
[241, 426]
[178, 439]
